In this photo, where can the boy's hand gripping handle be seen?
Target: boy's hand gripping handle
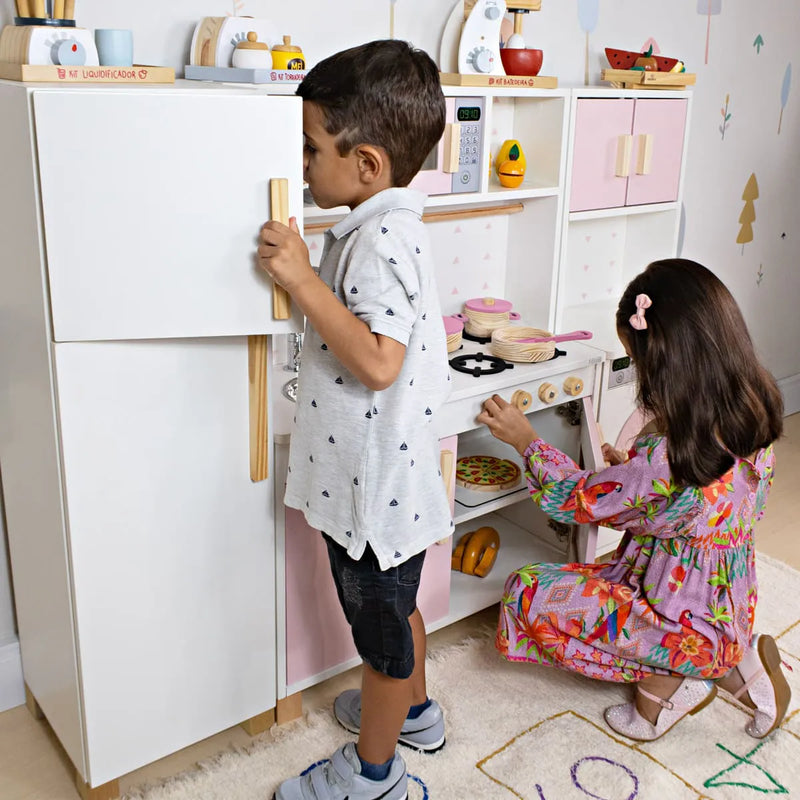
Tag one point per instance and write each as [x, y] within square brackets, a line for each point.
[279, 212]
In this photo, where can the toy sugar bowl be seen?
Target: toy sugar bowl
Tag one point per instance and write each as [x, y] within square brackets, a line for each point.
[251, 54]
[288, 55]
[485, 314]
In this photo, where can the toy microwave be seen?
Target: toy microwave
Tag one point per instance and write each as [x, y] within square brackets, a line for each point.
[454, 165]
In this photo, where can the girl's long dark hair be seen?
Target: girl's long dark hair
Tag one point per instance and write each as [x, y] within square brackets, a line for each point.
[698, 371]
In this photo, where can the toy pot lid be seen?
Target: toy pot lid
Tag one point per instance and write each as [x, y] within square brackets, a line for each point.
[453, 324]
[488, 305]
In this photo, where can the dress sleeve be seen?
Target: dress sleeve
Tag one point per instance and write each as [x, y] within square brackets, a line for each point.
[638, 495]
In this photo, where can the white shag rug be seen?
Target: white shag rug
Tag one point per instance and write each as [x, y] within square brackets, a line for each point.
[521, 731]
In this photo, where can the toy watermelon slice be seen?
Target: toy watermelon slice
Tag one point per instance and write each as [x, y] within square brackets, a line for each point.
[625, 59]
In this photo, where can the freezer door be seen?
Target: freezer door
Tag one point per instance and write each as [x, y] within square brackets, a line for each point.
[152, 202]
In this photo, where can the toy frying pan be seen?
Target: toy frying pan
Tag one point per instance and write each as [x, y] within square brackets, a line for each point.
[518, 343]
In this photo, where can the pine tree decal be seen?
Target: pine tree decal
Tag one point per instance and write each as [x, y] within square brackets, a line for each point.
[748, 215]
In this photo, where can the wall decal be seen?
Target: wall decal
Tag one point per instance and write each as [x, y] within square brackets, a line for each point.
[588, 13]
[725, 117]
[760, 276]
[709, 8]
[748, 215]
[758, 43]
[787, 82]
[238, 7]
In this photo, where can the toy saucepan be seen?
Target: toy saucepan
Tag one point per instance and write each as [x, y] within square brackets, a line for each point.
[486, 314]
[518, 343]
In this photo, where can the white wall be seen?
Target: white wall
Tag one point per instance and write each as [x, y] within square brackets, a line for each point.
[763, 274]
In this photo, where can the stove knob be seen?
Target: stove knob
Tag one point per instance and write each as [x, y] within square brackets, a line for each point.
[573, 386]
[522, 400]
[481, 59]
[547, 392]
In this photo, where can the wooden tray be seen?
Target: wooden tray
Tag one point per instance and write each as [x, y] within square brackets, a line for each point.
[647, 79]
[499, 81]
[49, 73]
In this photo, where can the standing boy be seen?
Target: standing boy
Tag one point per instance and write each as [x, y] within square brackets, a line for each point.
[364, 458]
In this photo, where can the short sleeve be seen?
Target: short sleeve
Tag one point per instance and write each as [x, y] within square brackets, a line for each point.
[382, 280]
[638, 495]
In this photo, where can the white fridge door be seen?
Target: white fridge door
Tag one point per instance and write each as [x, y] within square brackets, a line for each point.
[171, 545]
[152, 204]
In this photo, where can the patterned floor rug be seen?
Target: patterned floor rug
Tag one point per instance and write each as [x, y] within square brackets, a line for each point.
[517, 731]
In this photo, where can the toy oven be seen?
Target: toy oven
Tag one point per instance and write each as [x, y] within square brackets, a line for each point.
[454, 165]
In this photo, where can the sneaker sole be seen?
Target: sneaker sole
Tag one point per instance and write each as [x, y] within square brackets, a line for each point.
[771, 660]
[433, 747]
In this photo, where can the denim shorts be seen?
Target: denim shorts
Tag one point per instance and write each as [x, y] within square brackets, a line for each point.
[377, 606]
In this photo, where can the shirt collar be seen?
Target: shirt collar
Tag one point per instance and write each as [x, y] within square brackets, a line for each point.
[380, 203]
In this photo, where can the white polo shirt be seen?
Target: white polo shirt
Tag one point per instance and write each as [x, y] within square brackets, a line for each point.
[364, 465]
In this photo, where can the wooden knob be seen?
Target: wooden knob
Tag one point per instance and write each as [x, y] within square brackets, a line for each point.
[573, 386]
[547, 392]
[522, 400]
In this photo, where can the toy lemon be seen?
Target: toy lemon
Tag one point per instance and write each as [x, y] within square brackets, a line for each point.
[510, 174]
[287, 55]
[510, 150]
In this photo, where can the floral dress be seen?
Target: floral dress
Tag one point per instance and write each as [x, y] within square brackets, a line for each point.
[680, 593]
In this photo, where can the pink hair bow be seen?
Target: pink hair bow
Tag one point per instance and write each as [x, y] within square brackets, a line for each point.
[637, 320]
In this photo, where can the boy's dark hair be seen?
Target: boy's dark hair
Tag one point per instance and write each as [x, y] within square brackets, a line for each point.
[384, 93]
[698, 371]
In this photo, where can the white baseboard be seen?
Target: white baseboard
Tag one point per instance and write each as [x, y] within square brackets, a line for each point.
[790, 388]
[12, 688]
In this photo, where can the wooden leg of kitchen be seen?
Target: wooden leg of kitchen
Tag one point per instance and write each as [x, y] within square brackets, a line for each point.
[33, 706]
[108, 791]
[289, 708]
[259, 723]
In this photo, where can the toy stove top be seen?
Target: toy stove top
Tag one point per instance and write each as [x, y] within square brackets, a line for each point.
[477, 372]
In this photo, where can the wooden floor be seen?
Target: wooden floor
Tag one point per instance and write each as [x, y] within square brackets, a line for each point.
[34, 767]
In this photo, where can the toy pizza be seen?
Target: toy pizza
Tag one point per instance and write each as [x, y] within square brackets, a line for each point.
[487, 473]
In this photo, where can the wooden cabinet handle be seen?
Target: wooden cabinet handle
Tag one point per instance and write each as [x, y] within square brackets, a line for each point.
[644, 157]
[622, 168]
[451, 146]
[257, 352]
[279, 212]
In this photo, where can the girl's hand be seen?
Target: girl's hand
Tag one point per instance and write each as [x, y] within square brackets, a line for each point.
[612, 456]
[283, 255]
[507, 423]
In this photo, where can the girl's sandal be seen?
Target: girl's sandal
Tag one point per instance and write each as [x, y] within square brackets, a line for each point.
[691, 696]
[766, 685]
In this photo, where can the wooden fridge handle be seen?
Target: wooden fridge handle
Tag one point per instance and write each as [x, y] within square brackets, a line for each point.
[279, 212]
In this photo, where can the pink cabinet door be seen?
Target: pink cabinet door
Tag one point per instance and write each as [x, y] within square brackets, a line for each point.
[317, 634]
[599, 124]
[658, 128]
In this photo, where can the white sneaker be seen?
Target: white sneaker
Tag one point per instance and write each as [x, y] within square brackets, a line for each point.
[340, 778]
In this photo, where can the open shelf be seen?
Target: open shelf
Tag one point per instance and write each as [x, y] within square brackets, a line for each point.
[518, 547]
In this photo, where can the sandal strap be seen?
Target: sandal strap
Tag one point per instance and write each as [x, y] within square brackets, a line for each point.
[748, 683]
[668, 704]
[663, 702]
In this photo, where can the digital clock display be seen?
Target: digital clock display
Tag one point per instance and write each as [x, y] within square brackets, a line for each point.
[620, 363]
[468, 114]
